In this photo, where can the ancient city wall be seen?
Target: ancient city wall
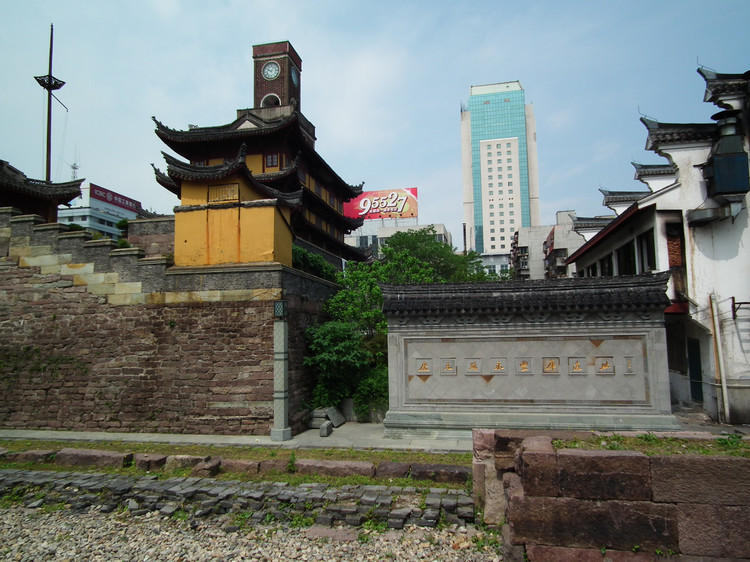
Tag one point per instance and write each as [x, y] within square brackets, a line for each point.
[99, 338]
[576, 504]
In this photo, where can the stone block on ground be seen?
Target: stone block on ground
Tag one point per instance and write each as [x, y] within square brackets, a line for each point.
[537, 466]
[206, 469]
[714, 530]
[178, 462]
[318, 418]
[537, 553]
[241, 466]
[440, 472]
[483, 443]
[326, 428]
[37, 456]
[335, 468]
[491, 497]
[277, 465]
[149, 461]
[388, 469]
[591, 524]
[92, 457]
[603, 475]
[337, 419]
[720, 480]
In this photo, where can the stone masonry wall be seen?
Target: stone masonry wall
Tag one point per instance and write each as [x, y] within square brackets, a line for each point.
[599, 504]
[101, 338]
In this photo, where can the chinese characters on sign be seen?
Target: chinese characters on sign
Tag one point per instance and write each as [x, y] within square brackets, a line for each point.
[576, 366]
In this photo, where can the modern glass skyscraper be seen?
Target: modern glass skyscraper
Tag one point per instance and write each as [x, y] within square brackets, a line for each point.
[500, 175]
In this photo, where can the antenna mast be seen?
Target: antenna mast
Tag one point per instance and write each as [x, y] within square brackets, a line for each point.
[49, 83]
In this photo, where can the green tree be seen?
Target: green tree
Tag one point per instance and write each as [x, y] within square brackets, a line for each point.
[448, 265]
[360, 300]
[338, 360]
[349, 354]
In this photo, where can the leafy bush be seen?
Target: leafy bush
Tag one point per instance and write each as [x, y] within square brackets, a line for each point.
[338, 359]
[372, 393]
[313, 264]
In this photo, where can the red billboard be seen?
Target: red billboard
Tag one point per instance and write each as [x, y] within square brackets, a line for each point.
[102, 194]
[383, 204]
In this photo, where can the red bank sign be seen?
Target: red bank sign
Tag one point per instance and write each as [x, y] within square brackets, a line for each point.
[113, 198]
[385, 204]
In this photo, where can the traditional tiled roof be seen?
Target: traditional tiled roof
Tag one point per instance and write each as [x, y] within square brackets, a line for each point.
[591, 222]
[650, 170]
[348, 252]
[12, 179]
[178, 171]
[639, 292]
[611, 197]
[676, 133]
[234, 130]
[722, 85]
[183, 142]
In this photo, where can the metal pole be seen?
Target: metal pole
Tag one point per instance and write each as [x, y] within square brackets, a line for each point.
[49, 110]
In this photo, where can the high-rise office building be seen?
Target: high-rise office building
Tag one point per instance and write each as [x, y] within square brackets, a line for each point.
[499, 170]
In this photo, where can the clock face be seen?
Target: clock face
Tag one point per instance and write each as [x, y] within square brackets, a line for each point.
[271, 70]
[295, 76]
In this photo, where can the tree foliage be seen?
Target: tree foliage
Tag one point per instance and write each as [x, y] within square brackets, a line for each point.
[349, 354]
[447, 265]
[338, 360]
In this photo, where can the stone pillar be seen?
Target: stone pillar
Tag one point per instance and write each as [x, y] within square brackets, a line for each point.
[281, 430]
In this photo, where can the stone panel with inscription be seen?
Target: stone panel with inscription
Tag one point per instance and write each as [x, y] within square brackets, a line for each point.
[573, 354]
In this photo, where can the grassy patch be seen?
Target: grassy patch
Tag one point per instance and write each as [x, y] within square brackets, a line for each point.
[650, 444]
[241, 518]
[487, 539]
[301, 520]
[52, 507]
[247, 453]
[13, 497]
[287, 456]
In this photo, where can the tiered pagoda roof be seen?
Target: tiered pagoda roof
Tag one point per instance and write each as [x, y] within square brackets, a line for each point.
[14, 181]
[201, 143]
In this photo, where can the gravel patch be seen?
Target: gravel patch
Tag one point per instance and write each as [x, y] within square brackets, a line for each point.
[33, 535]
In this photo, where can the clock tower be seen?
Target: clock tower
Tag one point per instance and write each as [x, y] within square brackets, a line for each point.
[277, 75]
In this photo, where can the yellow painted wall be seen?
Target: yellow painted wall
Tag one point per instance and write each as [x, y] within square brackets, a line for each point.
[265, 236]
[191, 238]
[193, 194]
[254, 163]
[230, 235]
[223, 236]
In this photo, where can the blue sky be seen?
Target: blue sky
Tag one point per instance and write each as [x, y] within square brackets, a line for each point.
[382, 82]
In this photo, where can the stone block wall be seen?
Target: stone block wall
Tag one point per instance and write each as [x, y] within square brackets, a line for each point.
[101, 338]
[591, 504]
[155, 236]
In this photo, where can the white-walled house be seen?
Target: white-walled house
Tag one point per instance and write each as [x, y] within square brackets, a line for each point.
[695, 224]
